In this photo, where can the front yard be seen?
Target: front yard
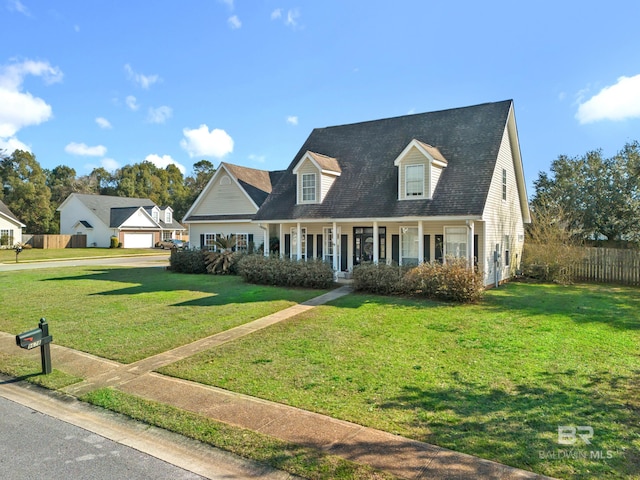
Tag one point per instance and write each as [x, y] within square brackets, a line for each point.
[494, 380]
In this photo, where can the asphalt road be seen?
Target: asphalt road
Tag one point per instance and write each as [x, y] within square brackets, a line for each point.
[161, 260]
[34, 445]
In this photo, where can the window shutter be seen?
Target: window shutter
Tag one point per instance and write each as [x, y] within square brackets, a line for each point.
[287, 244]
[395, 248]
[319, 245]
[439, 247]
[201, 240]
[427, 248]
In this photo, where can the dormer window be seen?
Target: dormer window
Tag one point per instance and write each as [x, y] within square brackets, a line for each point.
[419, 168]
[155, 215]
[414, 180]
[167, 216]
[309, 187]
[315, 174]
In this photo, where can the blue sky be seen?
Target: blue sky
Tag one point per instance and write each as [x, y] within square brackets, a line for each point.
[110, 83]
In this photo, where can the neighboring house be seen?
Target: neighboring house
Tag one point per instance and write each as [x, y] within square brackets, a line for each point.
[408, 189]
[10, 227]
[136, 222]
[226, 206]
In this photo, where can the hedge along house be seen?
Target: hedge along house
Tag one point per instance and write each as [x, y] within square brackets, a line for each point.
[409, 189]
[226, 206]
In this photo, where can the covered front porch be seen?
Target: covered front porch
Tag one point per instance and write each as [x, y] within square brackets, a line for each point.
[345, 244]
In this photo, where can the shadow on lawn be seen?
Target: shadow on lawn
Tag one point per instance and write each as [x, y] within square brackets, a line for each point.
[613, 305]
[222, 290]
[516, 427]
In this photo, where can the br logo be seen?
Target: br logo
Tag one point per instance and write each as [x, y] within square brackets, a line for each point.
[569, 435]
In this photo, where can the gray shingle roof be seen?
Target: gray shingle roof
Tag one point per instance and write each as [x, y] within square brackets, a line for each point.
[468, 138]
[8, 213]
[257, 183]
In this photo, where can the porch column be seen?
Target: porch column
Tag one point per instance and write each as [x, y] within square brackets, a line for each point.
[298, 242]
[472, 254]
[420, 243]
[376, 241]
[281, 242]
[334, 241]
[266, 240]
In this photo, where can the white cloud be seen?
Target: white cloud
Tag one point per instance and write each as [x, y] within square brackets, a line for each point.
[229, 3]
[160, 114]
[18, 6]
[202, 142]
[276, 14]
[145, 81]
[103, 123]
[164, 161]
[615, 102]
[292, 120]
[85, 150]
[109, 164]
[292, 18]
[132, 102]
[234, 22]
[257, 158]
[9, 145]
[20, 109]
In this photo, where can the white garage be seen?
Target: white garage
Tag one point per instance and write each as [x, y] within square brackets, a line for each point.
[138, 240]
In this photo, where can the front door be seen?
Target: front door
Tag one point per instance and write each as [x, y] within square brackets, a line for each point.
[362, 245]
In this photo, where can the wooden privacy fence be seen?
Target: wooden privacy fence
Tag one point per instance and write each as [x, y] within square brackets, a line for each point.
[608, 265]
[59, 241]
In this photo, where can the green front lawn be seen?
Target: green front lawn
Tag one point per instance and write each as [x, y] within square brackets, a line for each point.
[42, 254]
[127, 314]
[494, 380]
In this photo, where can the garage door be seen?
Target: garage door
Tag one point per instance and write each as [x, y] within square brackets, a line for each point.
[138, 240]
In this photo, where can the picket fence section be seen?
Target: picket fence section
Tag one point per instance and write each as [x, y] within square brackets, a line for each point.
[608, 265]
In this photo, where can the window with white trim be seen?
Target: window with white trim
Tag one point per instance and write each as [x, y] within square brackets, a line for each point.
[210, 241]
[294, 242]
[167, 216]
[327, 244]
[504, 184]
[242, 242]
[414, 181]
[308, 187]
[155, 215]
[6, 237]
[408, 245]
[455, 242]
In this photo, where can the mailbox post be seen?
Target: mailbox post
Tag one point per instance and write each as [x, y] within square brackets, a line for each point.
[38, 338]
[18, 249]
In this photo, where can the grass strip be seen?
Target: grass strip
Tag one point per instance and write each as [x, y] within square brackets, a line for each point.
[296, 459]
[22, 368]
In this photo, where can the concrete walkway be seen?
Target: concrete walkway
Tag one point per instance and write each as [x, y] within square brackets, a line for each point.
[400, 456]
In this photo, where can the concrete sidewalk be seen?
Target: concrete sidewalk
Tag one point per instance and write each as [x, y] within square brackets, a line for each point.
[400, 456]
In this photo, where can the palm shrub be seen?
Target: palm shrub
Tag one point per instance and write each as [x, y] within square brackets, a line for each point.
[220, 262]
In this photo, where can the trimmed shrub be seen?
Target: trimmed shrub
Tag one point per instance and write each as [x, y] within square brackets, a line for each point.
[187, 261]
[115, 243]
[381, 279]
[284, 272]
[452, 281]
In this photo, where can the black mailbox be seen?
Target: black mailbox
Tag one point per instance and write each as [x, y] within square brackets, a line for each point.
[38, 338]
[30, 339]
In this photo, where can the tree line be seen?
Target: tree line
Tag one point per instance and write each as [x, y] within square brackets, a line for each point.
[33, 194]
[590, 197]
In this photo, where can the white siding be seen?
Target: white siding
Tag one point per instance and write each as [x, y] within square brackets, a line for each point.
[138, 219]
[224, 198]
[6, 224]
[73, 212]
[503, 217]
[435, 176]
